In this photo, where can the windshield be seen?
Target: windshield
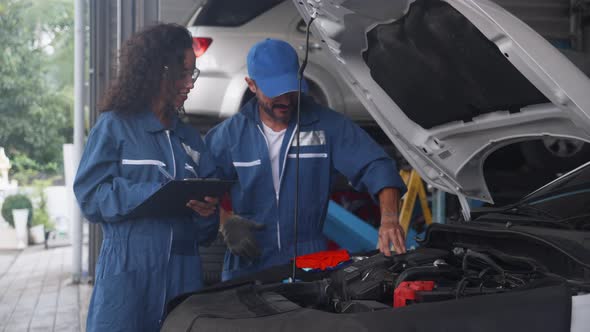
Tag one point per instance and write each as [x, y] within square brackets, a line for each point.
[566, 197]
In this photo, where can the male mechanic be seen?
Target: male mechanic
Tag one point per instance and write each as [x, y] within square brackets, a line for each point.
[257, 147]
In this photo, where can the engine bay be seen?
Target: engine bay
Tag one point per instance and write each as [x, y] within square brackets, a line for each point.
[376, 282]
[492, 277]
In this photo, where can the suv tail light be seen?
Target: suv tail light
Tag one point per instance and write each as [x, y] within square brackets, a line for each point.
[200, 45]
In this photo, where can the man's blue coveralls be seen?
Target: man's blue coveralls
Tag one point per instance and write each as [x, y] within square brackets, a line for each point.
[329, 142]
[143, 262]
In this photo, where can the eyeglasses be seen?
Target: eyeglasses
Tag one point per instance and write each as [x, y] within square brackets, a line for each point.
[194, 74]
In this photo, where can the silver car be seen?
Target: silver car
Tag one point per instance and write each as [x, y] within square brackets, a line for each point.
[491, 81]
[224, 31]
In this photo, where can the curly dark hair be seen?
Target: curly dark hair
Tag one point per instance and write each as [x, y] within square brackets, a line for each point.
[141, 67]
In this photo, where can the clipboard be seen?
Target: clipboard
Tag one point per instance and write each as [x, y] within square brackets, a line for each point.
[170, 200]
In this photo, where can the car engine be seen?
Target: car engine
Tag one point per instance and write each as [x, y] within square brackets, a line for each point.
[375, 282]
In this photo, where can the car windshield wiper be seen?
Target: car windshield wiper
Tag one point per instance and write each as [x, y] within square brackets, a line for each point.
[529, 210]
[510, 219]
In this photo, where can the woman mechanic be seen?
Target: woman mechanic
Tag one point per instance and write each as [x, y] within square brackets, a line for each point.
[138, 144]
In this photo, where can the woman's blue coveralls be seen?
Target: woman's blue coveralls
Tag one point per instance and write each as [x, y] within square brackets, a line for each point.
[329, 142]
[147, 261]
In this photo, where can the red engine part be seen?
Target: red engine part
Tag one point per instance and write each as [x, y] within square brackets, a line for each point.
[406, 291]
[322, 260]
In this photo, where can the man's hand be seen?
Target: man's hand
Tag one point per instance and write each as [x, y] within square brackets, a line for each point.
[206, 208]
[238, 234]
[391, 232]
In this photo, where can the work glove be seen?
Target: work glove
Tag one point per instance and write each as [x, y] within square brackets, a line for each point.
[238, 234]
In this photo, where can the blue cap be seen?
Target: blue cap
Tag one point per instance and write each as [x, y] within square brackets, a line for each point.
[274, 65]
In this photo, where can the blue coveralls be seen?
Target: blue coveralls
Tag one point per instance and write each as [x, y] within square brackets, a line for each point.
[329, 142]
[143, 262]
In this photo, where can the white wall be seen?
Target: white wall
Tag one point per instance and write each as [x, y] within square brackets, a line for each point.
[59, 207]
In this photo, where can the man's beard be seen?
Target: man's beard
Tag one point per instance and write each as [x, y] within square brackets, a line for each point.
[269, 110]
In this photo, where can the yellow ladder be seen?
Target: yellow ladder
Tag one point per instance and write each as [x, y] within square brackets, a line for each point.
[415, 190]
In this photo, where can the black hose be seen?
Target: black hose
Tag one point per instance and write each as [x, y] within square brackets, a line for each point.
[297, 129]
[519, 260]
[485, 258]
[305, 294]
[422, 272]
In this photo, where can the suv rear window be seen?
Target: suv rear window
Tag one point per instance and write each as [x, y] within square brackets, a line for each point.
[232, 13]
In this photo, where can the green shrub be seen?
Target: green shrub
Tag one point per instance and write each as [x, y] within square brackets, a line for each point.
[16, 202]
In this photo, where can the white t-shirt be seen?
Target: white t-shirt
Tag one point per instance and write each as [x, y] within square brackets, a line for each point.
[274, 139]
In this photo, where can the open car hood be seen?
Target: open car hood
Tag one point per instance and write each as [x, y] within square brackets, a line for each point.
[452, 81]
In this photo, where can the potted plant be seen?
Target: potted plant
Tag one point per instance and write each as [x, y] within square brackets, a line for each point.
[17, 211]
[41, 223]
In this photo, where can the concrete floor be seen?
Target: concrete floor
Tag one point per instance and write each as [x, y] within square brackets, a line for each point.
[36, 292]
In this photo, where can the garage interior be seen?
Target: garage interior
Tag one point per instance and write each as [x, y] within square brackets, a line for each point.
[562, 22]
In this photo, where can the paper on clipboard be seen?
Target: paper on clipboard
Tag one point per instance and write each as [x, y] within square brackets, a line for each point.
[170, 200]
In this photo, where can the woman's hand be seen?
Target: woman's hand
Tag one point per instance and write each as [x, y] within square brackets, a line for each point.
[206, 208]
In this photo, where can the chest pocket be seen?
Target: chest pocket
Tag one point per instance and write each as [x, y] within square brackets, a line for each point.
[144, 169]
[251, 179]
[314, 162]
[248, 171]
[321, 155]
[143, 158]
[312, 146]
[247, 163]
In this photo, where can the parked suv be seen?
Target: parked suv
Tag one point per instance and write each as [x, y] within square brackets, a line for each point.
[224, 31]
